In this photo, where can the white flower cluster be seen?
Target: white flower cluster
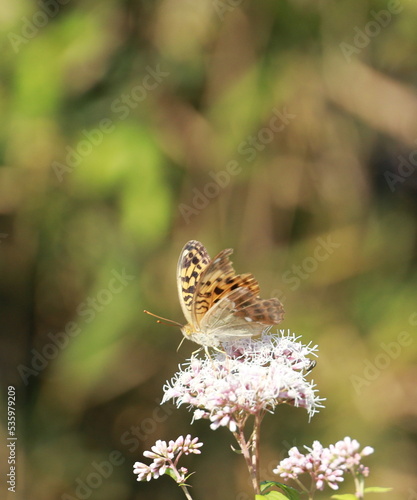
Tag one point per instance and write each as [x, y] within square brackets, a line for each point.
[251, 377]
[325, 465]
[163, 455]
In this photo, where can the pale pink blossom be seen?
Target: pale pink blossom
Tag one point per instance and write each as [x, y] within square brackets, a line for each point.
[250, 377]
[165, 456]
[325, 465]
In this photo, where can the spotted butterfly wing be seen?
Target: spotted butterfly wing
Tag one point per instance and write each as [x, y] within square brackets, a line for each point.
[191, 264]
[235, 309]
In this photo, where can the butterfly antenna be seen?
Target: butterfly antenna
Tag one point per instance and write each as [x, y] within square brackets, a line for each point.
[164, 321]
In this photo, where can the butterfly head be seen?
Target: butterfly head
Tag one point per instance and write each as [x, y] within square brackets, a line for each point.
[187, 331]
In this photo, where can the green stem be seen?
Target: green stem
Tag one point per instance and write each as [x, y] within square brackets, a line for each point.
[359, 485]
[310, 492]
[173, 466]
[186, 493]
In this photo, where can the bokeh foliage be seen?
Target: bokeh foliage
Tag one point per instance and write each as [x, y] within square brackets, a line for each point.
[118, 120]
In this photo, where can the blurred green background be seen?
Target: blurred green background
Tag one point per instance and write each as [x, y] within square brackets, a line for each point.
[285, 129]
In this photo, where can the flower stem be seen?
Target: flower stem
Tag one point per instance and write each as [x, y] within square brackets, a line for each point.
[250, 463]
[179, 479]
[359, 485]
[255, 446]
[310, 492]
[186, 493]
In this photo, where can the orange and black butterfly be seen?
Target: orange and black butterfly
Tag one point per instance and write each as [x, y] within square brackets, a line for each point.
[218, 304]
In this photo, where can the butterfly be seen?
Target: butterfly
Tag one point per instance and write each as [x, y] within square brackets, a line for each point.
[218, 304]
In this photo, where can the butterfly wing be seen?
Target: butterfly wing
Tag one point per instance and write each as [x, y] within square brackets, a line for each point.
[192, 262]
[241, 314]
[224, 299]
[217, 280]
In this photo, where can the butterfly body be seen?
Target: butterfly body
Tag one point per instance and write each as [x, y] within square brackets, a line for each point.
[218, 304]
